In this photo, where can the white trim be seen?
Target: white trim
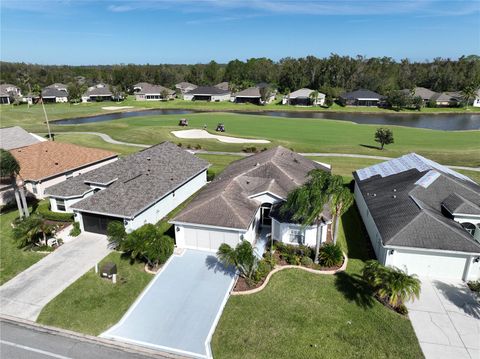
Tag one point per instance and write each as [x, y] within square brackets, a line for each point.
[388, 247]
[266, 192]
[99, 213]
[68, 197]
[208, 226]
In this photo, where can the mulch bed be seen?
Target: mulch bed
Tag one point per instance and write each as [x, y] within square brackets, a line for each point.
[58, 224]
[242, 286]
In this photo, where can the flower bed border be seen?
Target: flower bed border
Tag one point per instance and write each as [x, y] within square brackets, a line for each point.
[280, 268]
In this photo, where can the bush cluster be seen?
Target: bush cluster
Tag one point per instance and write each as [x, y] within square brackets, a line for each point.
[474, 286]
[43, 209]
[330, 255]
[294, 255]
[75, 231]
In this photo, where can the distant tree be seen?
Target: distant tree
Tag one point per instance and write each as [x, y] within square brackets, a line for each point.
[314, 97]
[165, 94]
[469, 92]
[384, 136]
[75, 92]
[417, 103]
[398, 100]
[265, 93]
[10, 168]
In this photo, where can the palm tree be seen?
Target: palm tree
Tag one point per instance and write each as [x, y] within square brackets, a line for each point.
[307, 202]
[469, 92]
[27, 231]
[10, 168]
[314, 97]
[37, 90]
[398, 287]
[341, 200]
[242, 257]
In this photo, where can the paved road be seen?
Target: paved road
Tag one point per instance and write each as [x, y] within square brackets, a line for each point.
[108, 139]
[25, 295]
[28, 341]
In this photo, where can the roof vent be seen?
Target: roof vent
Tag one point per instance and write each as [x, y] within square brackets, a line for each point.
[257, 164]
[148, 158]
[394, 196]
[56, 163]
[394, 190]
[374, 195]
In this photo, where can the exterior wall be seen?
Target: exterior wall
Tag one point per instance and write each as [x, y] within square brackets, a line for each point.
[476, 102]
[281, 232]
[219, 98]
[187, 97]
[168, 203]
[68, 203]
[205, 237]
[251, 234]
[43, 185]
[61, 99]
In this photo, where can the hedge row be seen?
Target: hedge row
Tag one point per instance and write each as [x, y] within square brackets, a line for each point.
[43, 209]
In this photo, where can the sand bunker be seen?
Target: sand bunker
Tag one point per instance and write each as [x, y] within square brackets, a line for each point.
[202, 134]
[113, 108]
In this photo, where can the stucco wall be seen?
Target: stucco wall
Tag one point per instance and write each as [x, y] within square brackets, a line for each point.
[281, 232]
[205, 237]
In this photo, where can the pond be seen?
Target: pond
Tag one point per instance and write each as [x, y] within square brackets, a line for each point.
[447, 122]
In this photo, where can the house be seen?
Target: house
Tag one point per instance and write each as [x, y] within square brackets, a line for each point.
[421, 217]
[207, 93]
[447, 99]
[47, 163]
[303, 97]
[422, 92]
[8, 92]
[137, 189]
[98, 93]
[476, 100]
[361, 97]
[223, 86]
[145, 91]
[185, 87]
[55, 93]
[15, 137]
[237, 205]
[253, 95]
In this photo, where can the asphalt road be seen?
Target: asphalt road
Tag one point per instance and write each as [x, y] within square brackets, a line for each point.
[23, 341]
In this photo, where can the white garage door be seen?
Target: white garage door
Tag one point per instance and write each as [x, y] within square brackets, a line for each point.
[430, 265]
[207, 239]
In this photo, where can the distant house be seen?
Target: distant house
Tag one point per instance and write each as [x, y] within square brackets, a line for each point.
[15, 137]
[448, 99]
[243, 204]
[145, 91]
[361, 97]
[137, 189]
[253, 95]
[223, 86]
[303, 97]
[55, 93]
[207, 93]
[425, 94]
[98, 93]
[47, 163]
[476, 100]
[185, 87]
[8, 92]
[421, 217]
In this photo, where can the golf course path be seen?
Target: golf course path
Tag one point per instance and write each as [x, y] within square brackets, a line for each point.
[108, 139]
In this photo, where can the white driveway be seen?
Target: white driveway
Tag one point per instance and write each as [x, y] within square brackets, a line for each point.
[25, 295]
[446, 320]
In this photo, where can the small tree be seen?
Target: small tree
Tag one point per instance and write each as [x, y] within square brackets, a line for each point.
[469, 92]
[116, 234]
[330, 255]
[164, 94]
[30, 230]
[417, 103]
[314, 97]
[242, 257]
[75, 92]
[265, 93]
[10, 168]
[341, 200]
[384, 136]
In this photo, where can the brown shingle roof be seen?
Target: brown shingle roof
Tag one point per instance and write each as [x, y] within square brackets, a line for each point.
[46, 159]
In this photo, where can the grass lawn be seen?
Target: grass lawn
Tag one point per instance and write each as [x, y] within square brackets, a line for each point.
[12, 259]
[97, 142]
[303, 315]
[92, 304]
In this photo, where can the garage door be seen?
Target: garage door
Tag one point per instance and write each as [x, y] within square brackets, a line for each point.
[210, 240]
[429, 265]
[96, 223]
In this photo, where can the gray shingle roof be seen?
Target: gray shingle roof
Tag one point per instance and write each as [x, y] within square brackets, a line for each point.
[223, 86]
[408, 212]
[361, 94]
[183, 85]
[249, 92]
[138, 180]
[16, 137]
[303, 93]
[99, 90]
[147, 88]
[457, 204]
[208, 90]
[225, 201]
[53, 92]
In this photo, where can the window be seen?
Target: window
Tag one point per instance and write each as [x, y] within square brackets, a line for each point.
[297, 236]
[34, 188]
[61, 205]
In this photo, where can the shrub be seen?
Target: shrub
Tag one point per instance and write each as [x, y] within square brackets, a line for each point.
[250, 149]
[116, 234]
[306, 261]
[263, 269]
[402, 309]
[210, 175]
[75, 231]
[474, 286]
[242, 257]
[330, 255]
[292, 259]
[31, 230]
[43, 209]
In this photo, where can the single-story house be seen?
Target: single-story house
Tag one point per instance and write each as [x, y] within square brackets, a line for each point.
[8, 92]
[207, 93]
[253, 95]
[145, 91]
[185, 87]
[15, 137]
[55, 93]
[422, 92]
[476, 100]
[47, 163]
[237, 205]
[448, 99]
[137, 189]
[303, 97]
[99, 92]
[361, 97]
[223, 86]
[421, 217]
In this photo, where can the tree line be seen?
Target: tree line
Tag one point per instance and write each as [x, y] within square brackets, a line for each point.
[331, 75]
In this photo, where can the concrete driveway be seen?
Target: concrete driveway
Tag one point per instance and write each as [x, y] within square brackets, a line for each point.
[180, 308]
[25, 295]
[446, 320]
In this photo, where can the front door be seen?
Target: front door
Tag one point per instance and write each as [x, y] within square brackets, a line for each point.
[265, 214]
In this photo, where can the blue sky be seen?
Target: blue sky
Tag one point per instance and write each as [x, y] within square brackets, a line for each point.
[187, 31]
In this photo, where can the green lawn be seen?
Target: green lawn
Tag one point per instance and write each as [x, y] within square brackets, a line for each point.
[12, 259]
[92, 304]
[97, 142]
[303, 315]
